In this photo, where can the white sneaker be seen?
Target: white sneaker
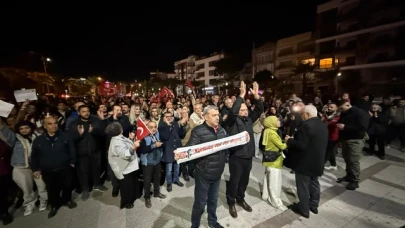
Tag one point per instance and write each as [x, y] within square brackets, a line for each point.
[43, 205]
[28, 209]
[332, 167]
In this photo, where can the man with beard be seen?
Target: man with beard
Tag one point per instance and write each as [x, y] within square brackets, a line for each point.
[73, 115]
[86, 132]
[225, 111]
[352, 125]
[126, 127]
[331, 118]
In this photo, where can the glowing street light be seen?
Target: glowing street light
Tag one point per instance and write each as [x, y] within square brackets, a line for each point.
[48, 60]
[99, 78]
[339, 74]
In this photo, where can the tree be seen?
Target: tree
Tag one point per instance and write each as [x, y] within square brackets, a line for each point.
[263, 77]
[305, 72]
[229, 67]
[44, 81]
[16, 78]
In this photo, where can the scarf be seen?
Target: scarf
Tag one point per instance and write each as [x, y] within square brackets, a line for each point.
[270, 125]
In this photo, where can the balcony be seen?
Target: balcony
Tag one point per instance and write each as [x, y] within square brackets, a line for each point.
[348, 47]
[384, 58]
[285, 66]
[382, 41]
[386, 4]
[351, 28]
[351, 14]
[384, 21]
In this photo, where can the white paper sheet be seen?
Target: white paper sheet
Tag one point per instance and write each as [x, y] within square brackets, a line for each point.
[5, 108]
[23, 95]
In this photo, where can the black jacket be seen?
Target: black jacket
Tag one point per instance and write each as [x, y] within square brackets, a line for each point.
[237, 124]
[212, 166]
[52, 153]
[378, 125]
[88, 142]
[356, 123]
[308, 148]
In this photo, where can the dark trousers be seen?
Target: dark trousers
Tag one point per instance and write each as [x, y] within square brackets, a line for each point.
[88, 169]
[184, 168]
[205, 193]
[352, 151]
[380, 141]
[309, 192]
[191, 168]
[330, 153]
[56, 182]
[114, 181]
[239, 169]
[129, 188]
[5, 181]
[151, 173]
[395, 131]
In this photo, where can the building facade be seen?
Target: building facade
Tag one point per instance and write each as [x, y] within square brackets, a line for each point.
[363, 40]
[290, 52]
[263, 58]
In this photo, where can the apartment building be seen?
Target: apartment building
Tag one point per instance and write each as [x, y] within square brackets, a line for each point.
[205, 69]
[184, 69]
[291, 51]
[362, 38]
[263, 58]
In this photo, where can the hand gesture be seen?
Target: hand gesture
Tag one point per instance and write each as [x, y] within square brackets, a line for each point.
[80, 129]
[158, 144]
[247, 137]
[90, 128]
[136, 145]
[340, 126]
[100, 114]
[287, 137]
[242, 89]
[371, 114]
[36, 174]
[26, 103]
[255, 91]
[224, 117]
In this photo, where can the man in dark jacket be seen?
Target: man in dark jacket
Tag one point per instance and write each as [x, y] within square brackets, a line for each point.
[352, 125]
[171, 133]
[240, 157]
[310, 141]
[53, 156]
[208, 169]
[86, 133]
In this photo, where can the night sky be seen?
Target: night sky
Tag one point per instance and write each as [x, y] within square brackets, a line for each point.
[129, 46]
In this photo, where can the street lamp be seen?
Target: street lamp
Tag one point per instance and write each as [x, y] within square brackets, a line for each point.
[48, 59]
[99, 78]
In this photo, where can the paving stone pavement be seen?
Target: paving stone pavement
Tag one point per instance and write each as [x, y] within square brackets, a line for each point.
[379, 202]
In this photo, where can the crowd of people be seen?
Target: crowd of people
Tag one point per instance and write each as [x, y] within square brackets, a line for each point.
[51, 148]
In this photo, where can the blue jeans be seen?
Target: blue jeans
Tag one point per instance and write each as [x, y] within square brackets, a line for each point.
[170, 178]
[205, 193]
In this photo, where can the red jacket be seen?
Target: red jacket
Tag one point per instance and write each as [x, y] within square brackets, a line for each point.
[332, 128]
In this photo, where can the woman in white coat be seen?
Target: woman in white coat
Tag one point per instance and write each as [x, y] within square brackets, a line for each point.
[124, 163]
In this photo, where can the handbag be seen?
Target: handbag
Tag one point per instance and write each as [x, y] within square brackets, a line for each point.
[270, 156]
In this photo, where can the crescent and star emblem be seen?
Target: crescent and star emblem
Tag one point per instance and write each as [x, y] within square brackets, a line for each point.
[140, 129]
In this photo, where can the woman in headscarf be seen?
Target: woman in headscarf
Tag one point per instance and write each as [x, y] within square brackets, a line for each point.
[272, 182]
[124, 163]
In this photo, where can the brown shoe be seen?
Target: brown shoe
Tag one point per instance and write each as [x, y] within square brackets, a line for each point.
[148, 203]
[232, 211]
[245, 206]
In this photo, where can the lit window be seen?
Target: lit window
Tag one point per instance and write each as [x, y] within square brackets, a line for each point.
[312, 61]
[325, 63]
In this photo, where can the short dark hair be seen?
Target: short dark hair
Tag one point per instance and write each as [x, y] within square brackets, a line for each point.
[341, 101]
[81, 107]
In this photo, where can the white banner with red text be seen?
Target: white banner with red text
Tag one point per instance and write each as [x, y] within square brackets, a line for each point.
[204, 149]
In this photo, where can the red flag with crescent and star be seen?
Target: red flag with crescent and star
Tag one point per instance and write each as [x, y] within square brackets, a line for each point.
[142, 130]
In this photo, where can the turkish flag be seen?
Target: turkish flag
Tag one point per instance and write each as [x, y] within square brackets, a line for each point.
[189, 84]
[165, 92]
[142, 130]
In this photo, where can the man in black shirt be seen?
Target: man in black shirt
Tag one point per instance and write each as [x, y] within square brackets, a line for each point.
[353, 125]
